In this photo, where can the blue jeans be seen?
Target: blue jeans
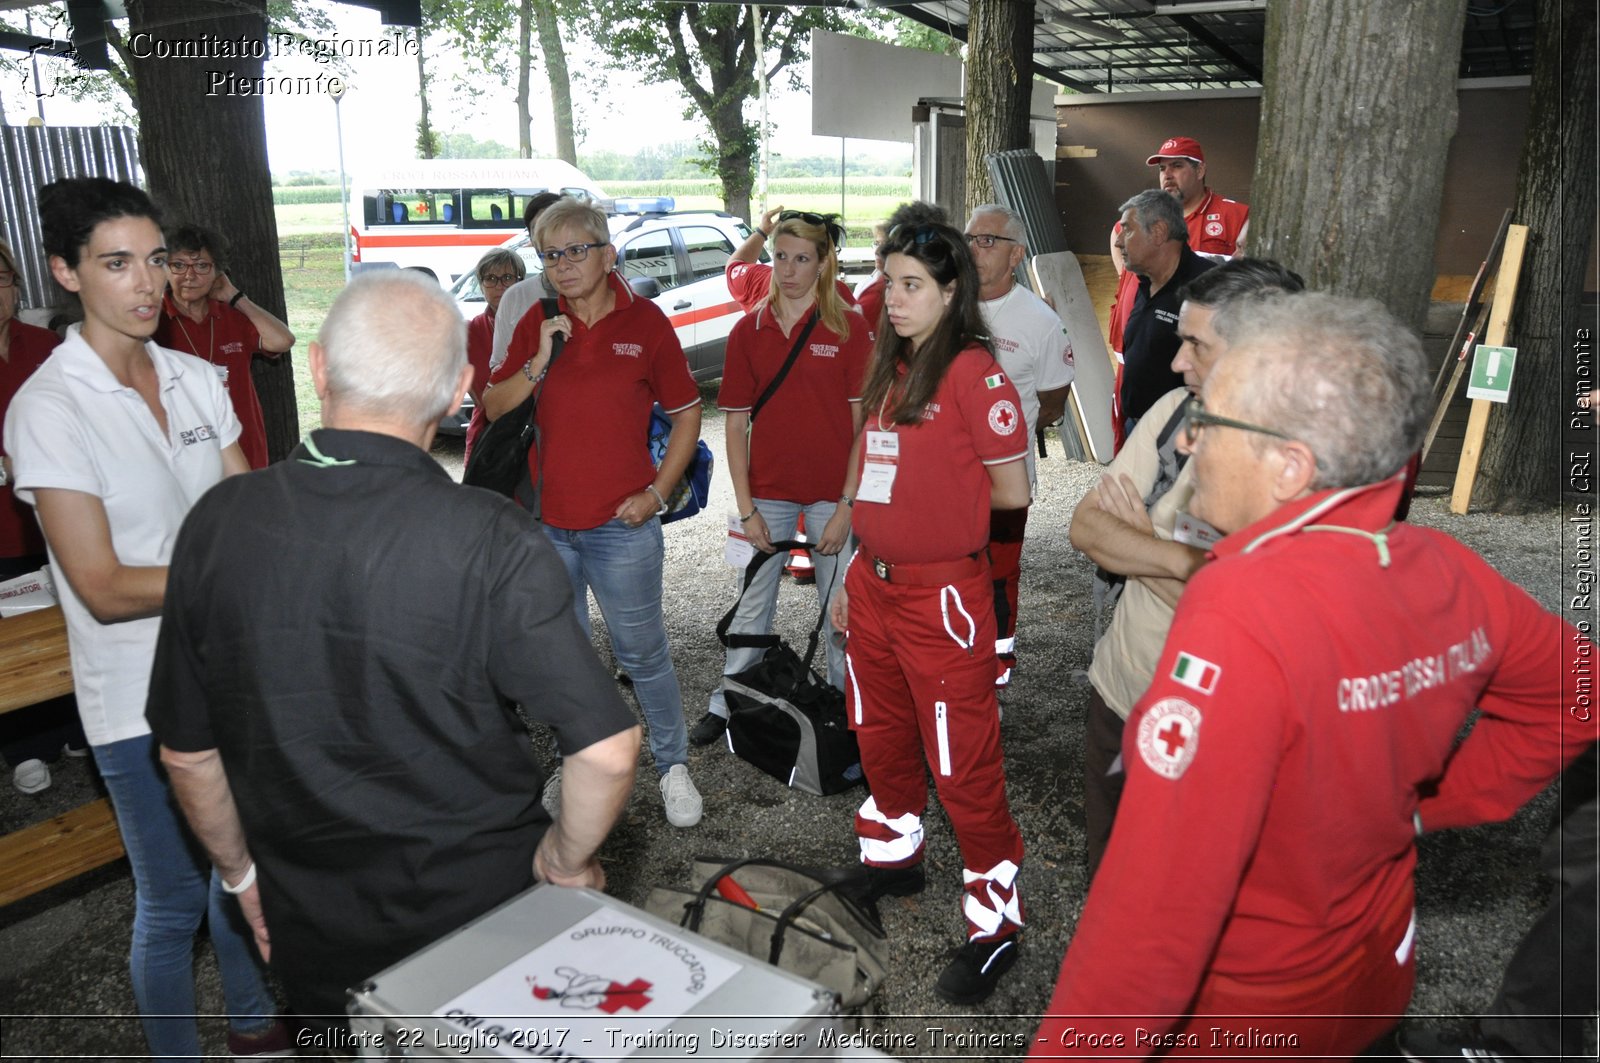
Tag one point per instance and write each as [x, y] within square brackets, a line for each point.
[174, 887]
[761, 602]
[622, 565]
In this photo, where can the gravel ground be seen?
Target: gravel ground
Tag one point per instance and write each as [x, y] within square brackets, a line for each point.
[62, 952]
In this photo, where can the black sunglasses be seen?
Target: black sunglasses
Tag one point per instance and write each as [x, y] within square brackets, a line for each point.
[828, 222]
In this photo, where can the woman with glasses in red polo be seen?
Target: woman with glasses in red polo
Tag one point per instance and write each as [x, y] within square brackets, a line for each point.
[943, 443]
[600, 498]
[788, 460]
[206, 315]
[497, 271]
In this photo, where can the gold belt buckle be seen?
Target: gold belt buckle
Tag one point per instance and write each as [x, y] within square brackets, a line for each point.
[881, 567]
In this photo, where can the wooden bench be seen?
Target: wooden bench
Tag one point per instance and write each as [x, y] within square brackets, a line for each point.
[38, 857]
[34, 667]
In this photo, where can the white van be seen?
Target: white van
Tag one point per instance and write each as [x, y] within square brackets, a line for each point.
[441, 215]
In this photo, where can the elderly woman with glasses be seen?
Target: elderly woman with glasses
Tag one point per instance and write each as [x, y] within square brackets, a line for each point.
[793, 465]
[497, 271]
[600, 497]
[206, 315]
[943, 444]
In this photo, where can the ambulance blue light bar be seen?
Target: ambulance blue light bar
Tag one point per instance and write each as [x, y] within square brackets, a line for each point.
[644, 205]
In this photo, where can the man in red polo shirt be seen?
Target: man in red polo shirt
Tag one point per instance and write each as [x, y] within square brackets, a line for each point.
[1217, 225]
[205, 315]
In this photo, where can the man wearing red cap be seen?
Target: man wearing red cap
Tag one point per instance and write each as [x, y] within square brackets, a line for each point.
[1217, 226]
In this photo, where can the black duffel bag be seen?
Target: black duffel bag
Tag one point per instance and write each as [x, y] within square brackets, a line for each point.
[783, 717]
[500, 455]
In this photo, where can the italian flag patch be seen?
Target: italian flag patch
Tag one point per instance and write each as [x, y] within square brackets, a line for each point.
[996, 380]
[1196, 673]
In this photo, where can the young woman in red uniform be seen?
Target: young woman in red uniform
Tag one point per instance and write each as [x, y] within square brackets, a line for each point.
[205, 315]
[792, 463]
[497, 271]
[943, 444]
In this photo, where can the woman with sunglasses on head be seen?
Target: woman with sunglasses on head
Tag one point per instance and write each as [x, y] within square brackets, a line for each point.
[205, 315]
[750, 279]
[943, 444]
[112, 441]
[497, 271]
[789, 460]
[869, 294]
[600, 497]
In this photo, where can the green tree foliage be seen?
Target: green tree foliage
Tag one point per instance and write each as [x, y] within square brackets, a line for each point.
[709, 52]
[466, 146]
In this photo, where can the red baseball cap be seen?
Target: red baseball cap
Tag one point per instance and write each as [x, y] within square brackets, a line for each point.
[1178, 148]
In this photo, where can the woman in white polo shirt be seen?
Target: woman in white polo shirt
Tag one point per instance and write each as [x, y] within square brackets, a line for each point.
[112, 441]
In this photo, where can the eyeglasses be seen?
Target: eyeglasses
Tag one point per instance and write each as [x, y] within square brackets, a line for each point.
[1195, 418]
[199, 269]
[503, 280]
[573, 253]
[7, 278]
[986, 240]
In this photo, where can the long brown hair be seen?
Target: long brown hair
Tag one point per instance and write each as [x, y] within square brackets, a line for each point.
[943, 253]
[820, 235]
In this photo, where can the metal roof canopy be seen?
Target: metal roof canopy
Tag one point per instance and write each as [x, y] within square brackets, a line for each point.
[1169, 45]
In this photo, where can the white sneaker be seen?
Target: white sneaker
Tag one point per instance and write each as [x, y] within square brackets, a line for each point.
[31, 776]
[680, 797]
[552, 794]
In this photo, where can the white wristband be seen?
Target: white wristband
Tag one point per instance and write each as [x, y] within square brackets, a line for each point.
[661, 502]
[243, 884]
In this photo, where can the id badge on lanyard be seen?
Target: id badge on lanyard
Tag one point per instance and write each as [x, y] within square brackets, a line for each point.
[878, 471]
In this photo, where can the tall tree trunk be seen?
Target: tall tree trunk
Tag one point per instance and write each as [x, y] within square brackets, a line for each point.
[227, 186]
[524, 67]
[735, 149]
[1522, 466]
[427, 143]
[555, 65]
[999, 86]
[1357, 110]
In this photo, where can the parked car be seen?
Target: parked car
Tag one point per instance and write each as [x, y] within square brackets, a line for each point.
[676, 259]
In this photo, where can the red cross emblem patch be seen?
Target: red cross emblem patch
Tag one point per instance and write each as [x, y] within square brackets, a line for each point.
[1003, 417]
[1169, 734]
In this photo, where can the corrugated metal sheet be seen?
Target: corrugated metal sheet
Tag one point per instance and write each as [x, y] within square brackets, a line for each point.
[1024, 184]
[33, 156]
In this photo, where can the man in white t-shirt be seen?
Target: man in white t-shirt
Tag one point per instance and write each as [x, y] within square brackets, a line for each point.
[1036, 353]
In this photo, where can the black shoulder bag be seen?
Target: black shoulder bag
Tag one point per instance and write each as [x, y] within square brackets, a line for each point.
[500, 455]
[788, 364]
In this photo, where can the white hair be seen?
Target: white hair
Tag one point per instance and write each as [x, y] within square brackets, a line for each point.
[394, 345]
[1014, 228]
[1341, 375]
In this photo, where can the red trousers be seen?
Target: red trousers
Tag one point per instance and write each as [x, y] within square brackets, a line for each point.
[920, 694]
[1006, 531]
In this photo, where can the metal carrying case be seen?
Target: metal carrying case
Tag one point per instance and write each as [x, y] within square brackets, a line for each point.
[574, 975]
